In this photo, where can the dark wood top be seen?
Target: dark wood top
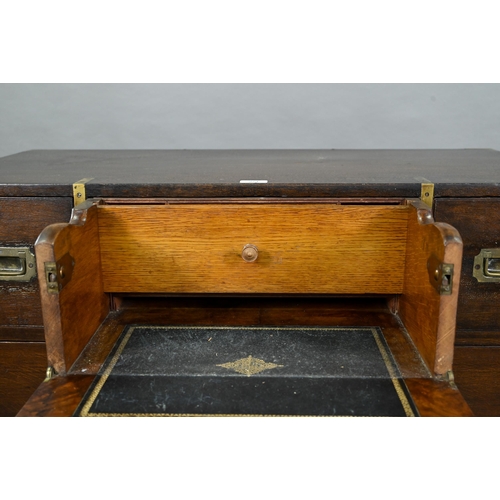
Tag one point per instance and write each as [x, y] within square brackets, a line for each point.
[207, 173]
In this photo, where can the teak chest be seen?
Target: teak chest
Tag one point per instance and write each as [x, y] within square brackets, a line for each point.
[250, 282]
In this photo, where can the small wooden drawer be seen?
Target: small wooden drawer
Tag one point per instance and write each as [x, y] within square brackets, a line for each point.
[303, 248]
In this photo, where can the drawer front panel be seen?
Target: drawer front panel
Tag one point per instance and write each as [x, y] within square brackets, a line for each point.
[307, 248]
[478, 222]
[477, 375]
[22, 370]
[21, 221]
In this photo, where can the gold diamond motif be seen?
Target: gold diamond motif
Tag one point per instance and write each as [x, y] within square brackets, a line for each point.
[250, 366]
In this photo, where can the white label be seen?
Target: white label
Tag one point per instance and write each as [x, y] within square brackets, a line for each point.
[253, 182]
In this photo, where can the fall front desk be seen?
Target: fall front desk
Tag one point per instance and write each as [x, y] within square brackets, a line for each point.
[283, 283]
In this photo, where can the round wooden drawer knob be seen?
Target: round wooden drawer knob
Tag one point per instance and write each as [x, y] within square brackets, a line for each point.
[250, 253]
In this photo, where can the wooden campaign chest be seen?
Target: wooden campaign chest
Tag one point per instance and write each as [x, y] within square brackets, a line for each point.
[295, 267]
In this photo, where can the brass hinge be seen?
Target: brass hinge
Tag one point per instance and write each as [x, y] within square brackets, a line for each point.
[79, 191]
[427, 192]
[58, 274]
[440, 275]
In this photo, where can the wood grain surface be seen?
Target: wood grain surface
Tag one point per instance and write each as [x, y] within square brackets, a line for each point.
[58, 397]
[72, 316]
[22, 333]
[22, 369]
[478, 221]
[429, 317]
[208, 173]
[477, 375]
[22, 219]
[306, 248]
[271, 311]
[435, 398]
[62, 395]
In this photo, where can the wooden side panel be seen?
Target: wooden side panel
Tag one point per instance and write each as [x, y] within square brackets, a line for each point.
[478, 221]
[22, 369]
[430, 318]
[72, 316]
[308, 248]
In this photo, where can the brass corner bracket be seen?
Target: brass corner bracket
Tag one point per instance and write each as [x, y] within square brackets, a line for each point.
[79, 191]
[427, 192]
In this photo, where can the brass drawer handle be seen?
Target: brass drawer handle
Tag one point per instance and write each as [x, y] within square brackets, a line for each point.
[250, 253]
[16, 264]
[487, 265]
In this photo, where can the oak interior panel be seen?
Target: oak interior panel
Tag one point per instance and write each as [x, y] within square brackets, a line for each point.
[429, 316]
[72, 315]
[309, 248]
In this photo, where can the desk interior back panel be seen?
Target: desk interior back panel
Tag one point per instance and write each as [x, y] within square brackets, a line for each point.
[308, 248]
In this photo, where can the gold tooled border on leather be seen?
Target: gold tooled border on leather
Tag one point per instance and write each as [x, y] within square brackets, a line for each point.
[386, 356]
[392, 373]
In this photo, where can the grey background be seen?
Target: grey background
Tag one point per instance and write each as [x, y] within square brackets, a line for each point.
[227, 116]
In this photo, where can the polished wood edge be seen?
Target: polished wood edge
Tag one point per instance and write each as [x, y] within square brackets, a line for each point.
[434, 337]
[58, 397]
[46, 250]
[477, 338]
[253, 201]
[61, 396]
[51, 312]
[449, 303]
[270, 190]
[435, 398]
[99, 346]
[414, 308]
[28, 333]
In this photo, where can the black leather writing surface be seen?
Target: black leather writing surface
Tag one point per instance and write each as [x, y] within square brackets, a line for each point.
[249, 371]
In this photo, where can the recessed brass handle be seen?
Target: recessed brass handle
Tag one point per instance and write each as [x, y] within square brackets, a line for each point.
[487, 265]
[16, 264]
[250, 253]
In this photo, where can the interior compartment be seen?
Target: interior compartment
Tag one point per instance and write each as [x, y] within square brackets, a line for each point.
[383, 267]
